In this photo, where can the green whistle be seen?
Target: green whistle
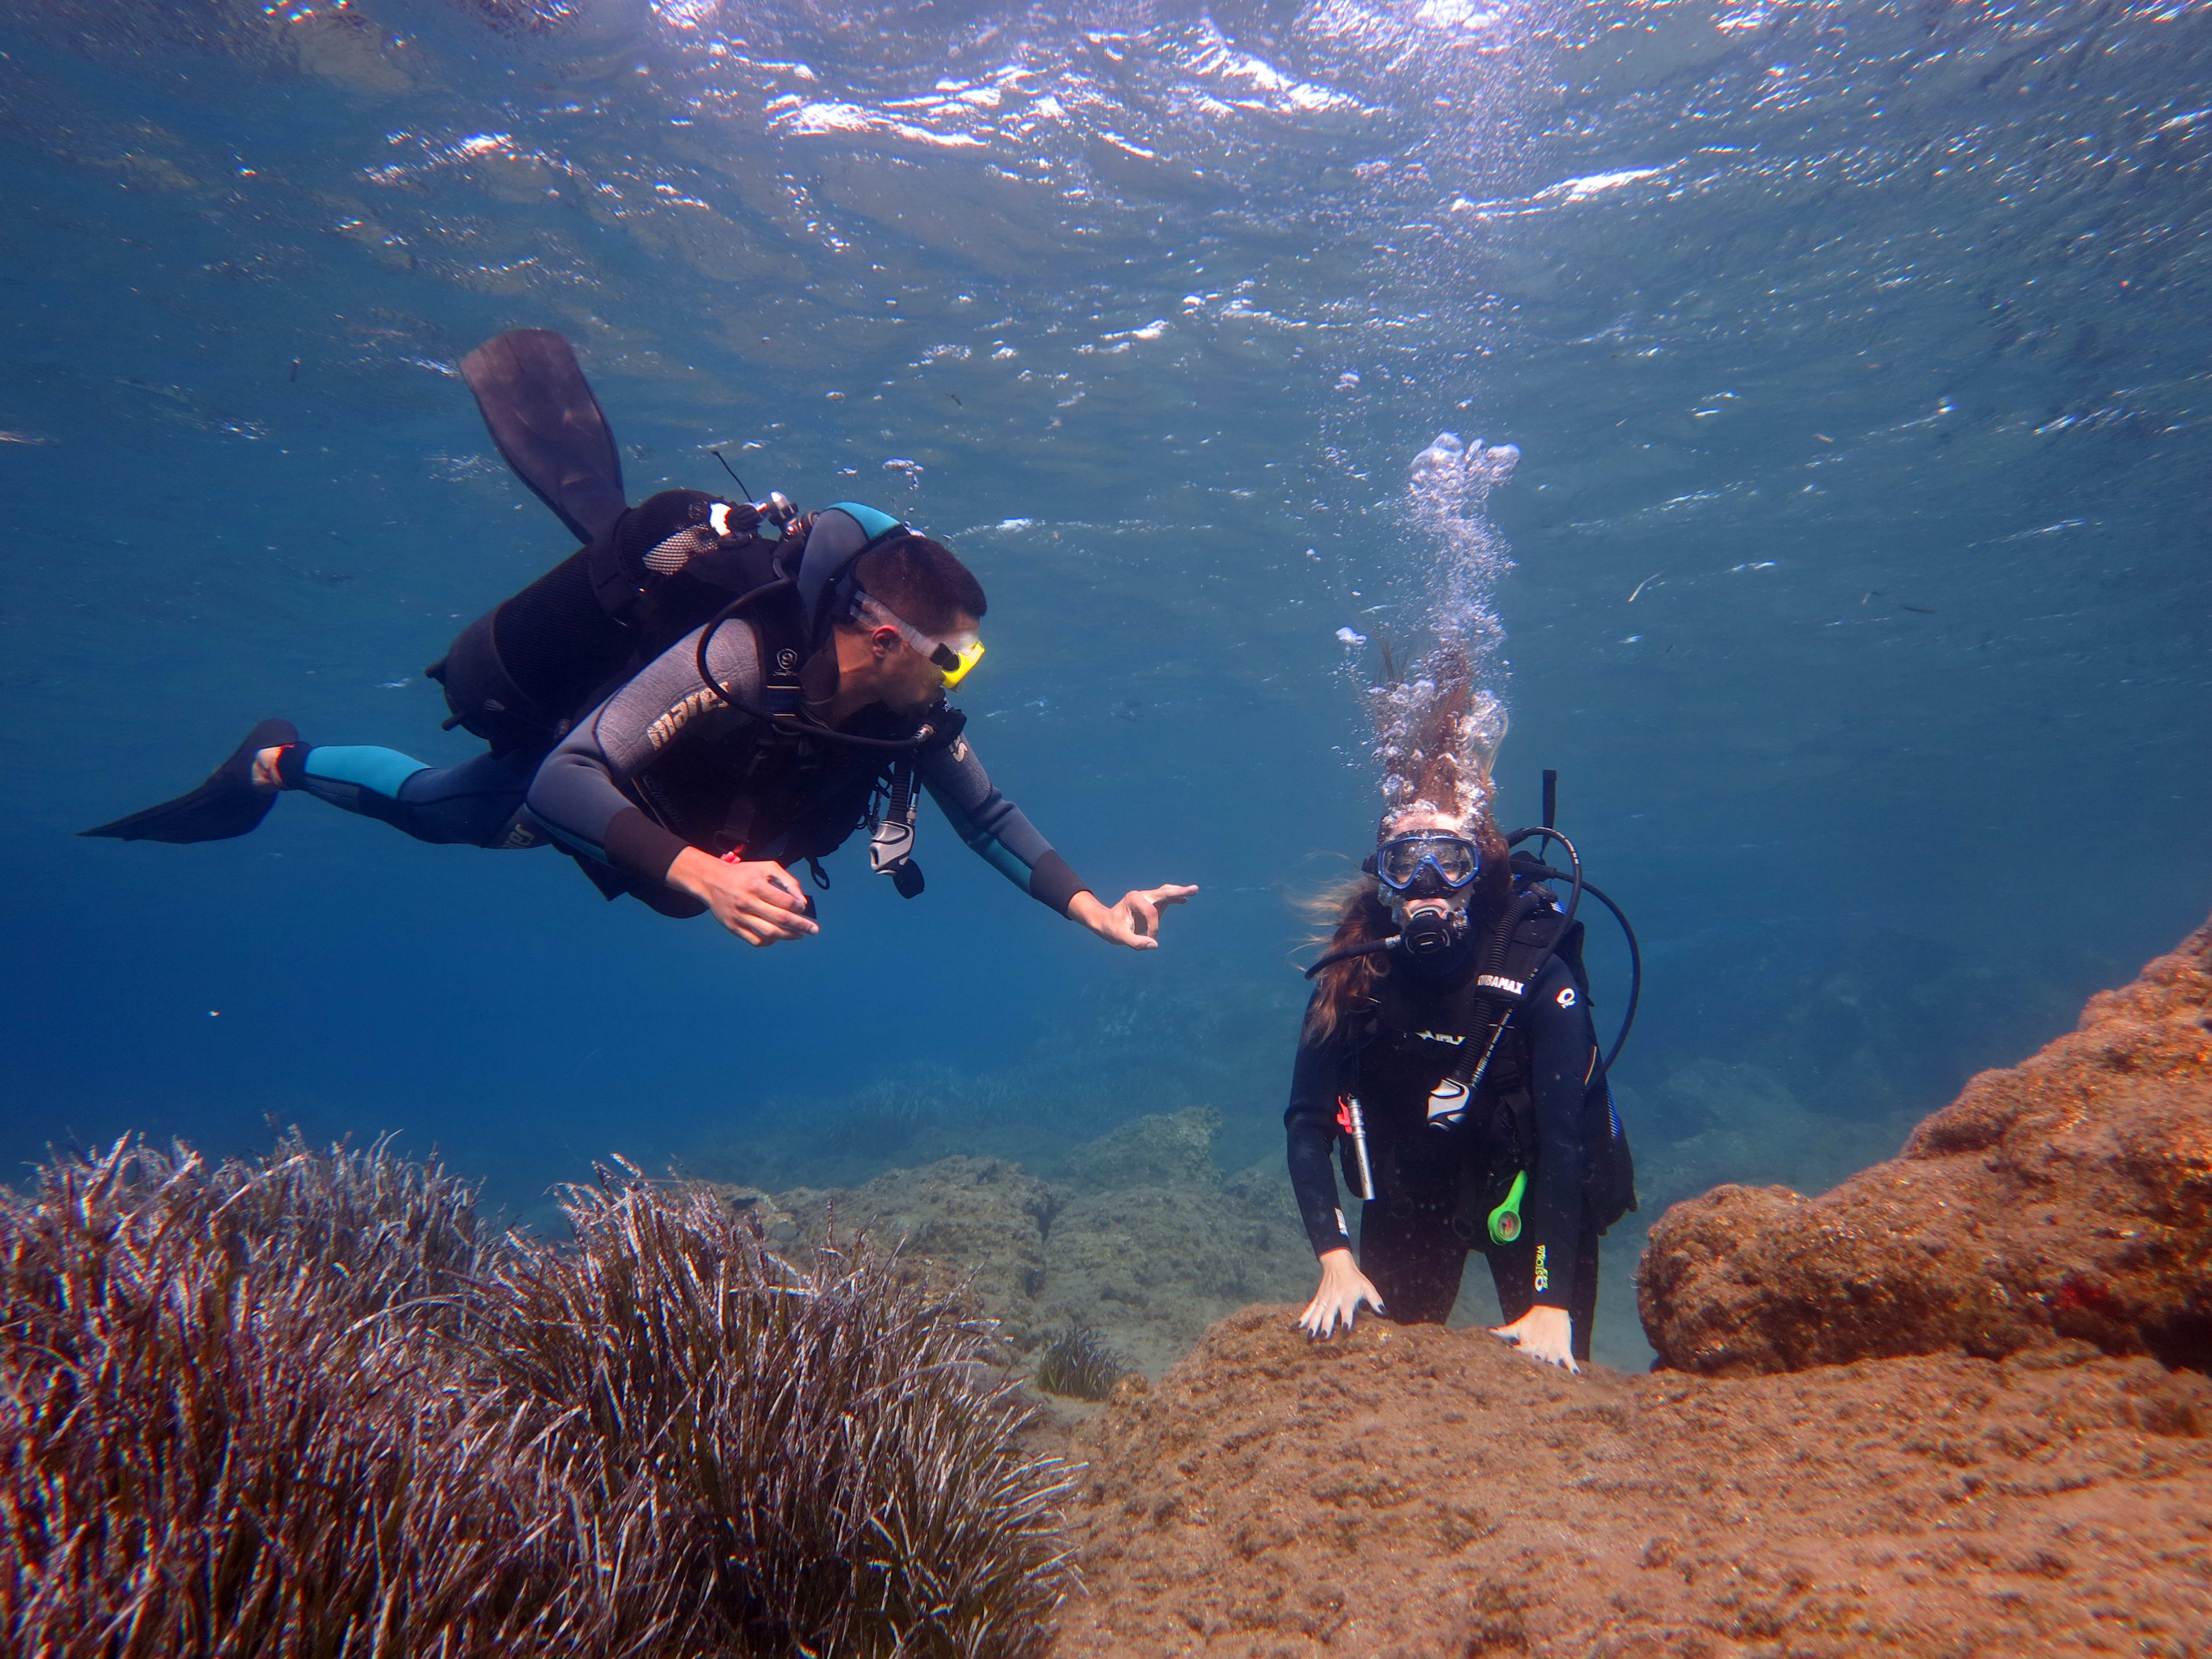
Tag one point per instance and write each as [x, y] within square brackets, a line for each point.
[1505, 1220]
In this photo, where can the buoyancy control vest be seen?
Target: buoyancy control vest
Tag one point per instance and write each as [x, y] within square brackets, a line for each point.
[1443, 1086]
[520, 675]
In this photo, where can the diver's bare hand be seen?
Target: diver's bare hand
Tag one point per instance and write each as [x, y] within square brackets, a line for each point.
[1344, 1288]
[758, 900]
[1544, 1333]
[1135, 922]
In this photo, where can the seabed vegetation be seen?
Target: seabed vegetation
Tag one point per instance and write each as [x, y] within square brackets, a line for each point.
[1079, 1365]
[310, 1404]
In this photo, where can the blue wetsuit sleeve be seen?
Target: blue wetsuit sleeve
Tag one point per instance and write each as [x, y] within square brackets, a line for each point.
[997, 829]
[1563, 1061]
[1310, 1127]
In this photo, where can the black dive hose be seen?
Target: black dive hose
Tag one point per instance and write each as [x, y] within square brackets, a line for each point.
[1528, 867]
[1574, 858]
[707, 636]
[1350, 952]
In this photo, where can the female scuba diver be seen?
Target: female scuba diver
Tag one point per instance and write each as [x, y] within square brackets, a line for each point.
[1453, 1059]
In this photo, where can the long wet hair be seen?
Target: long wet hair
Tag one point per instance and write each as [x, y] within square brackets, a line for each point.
[1450, 781]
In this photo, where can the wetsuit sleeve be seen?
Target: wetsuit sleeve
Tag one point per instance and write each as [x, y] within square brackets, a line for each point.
[998, 831]
[583, 794]
[1309, 1124]
[1563, 1058]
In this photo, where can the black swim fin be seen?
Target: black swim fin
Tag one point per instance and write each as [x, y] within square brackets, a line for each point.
[549, 426]
[227, 805]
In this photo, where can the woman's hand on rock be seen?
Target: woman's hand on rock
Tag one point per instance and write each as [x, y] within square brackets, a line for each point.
[1343, 1289]
[1544, 1333]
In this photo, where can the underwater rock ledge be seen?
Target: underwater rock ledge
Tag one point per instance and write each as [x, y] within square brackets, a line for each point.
[1935, 1420]
[2068, 1199]
[1424, 1493]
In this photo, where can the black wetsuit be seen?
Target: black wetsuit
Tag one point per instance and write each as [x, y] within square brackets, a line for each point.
[1388, 1056]
[663, 763]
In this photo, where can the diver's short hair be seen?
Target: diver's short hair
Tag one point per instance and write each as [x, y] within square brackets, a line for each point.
[922, 581]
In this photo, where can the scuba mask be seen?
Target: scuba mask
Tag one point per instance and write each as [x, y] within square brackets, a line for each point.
[1448, 862]
[952, 656]
[1428, 865]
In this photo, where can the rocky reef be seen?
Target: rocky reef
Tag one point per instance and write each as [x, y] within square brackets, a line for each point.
[1956, 1407]
[1145, 1244]
[2068, 1199]
[1421, 1492]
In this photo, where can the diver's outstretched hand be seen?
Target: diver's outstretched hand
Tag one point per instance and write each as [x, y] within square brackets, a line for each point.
[1344, 1288]
[757, 900]
[1544, 1333]
[1135, 922]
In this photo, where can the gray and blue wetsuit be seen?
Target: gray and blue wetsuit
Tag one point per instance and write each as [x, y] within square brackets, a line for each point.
[664, 763]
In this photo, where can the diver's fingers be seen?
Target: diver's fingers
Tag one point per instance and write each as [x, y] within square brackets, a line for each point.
[778, 883]
[1319, 1320]
[770, 924]
[760, 928]
[1173, 893]
[1139, 923]
[758, 925]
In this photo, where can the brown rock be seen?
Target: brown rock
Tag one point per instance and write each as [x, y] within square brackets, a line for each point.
[1425, 1494]
[2067, 1198]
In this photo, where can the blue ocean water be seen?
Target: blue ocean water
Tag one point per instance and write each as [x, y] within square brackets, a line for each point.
[1857, 353]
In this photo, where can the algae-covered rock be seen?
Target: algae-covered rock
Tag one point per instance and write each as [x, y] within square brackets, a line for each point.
[1174, 1150]
[979, 1220]
[2067, 1198]
[1149, 1246]
[774, 1224]
[1153, 1267]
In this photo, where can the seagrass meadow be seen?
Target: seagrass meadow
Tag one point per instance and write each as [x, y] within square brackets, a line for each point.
[307, 1405]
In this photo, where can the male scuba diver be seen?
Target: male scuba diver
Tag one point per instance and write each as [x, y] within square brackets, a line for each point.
[1448, 1051]
[706, 694]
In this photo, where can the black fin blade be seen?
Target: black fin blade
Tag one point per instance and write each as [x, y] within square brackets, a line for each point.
[226, 805]
[549, 426]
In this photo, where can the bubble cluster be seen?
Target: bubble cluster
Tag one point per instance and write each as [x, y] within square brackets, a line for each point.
[1437, 729]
